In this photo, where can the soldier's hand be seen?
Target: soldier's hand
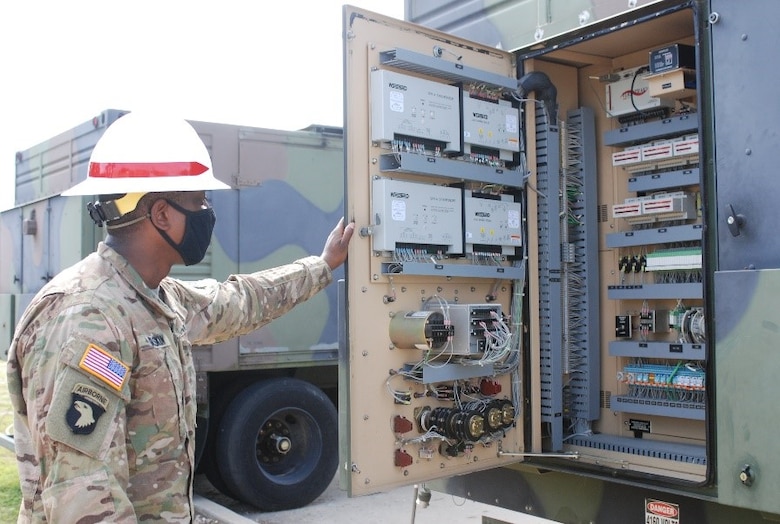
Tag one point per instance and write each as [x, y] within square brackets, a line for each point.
[335, 251]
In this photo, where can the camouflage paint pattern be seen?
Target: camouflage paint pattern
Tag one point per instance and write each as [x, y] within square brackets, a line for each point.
[289, 195]
[544, 490]
[102, 381]
[513, 24]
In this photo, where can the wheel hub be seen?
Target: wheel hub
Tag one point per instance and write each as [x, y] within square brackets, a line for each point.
[273, 441]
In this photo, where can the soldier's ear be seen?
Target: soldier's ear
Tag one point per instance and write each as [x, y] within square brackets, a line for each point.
[161, 214]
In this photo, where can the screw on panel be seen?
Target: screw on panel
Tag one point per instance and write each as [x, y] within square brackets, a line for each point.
[714, 17]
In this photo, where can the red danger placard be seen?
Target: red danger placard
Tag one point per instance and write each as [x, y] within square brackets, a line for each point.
[660, 512]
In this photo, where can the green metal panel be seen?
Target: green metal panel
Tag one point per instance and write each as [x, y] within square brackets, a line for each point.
[747, 367]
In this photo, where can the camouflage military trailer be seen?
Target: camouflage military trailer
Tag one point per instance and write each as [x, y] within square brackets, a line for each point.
[266, 401]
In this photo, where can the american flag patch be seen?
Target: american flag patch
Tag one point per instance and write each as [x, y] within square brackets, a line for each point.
[100, 364]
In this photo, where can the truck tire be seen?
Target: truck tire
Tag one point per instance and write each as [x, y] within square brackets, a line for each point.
[218, 405]
[277, 445]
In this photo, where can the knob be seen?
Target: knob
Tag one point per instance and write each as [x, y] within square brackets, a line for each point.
[746, 475]
[734, 220]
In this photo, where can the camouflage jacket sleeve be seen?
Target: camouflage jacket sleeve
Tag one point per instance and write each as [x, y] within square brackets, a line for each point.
[71, 444]
[215, 312]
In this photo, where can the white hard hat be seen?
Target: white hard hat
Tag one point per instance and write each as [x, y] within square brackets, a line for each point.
[144, 153]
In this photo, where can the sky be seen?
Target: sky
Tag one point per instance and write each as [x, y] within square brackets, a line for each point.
[272, 64]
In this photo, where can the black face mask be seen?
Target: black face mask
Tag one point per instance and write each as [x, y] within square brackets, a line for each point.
[197, 234]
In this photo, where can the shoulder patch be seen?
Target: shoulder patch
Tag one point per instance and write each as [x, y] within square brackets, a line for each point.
[103, 366]
[87, 405]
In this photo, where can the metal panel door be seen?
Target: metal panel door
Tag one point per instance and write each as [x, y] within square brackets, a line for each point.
[746, 114]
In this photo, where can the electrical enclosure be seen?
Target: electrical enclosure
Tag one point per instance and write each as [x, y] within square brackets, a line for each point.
[405, 107]
[433, 327]
[634, 237]
[490, 222]
[417, 216]
[491, 126]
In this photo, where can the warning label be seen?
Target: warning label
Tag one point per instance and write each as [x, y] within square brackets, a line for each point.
[660, 512]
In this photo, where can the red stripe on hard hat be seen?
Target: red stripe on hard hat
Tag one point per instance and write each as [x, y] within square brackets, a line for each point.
[144, 169]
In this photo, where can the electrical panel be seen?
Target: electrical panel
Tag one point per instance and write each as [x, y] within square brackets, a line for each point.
[490, 127]
[406, 107]
[630, 93]
[477, 329]
[417, 216]
[437, 271]
[528, 279]
[492, 224]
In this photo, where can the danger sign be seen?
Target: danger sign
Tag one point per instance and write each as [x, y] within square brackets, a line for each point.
[660, 512]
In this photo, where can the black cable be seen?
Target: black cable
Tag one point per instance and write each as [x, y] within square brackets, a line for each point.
[631, 91]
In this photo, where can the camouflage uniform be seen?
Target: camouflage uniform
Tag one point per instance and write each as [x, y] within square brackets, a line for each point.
[103, 383]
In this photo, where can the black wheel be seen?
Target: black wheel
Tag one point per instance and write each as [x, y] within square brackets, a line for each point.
[208, 460]
[277, 445]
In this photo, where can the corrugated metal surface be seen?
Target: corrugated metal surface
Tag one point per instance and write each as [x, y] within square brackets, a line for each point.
[513, 24]
[59, 163]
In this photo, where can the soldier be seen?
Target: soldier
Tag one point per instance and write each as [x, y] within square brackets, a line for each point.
[100, 368]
